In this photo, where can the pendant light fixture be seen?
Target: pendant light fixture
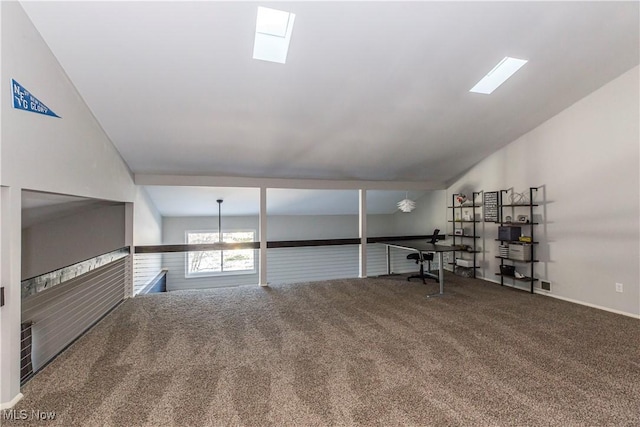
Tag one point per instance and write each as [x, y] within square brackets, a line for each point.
[406, 205]
[219, 220]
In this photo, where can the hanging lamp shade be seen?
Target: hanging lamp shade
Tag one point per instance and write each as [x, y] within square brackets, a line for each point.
[406, 205]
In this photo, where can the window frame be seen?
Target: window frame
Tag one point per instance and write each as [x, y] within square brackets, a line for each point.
[201, 274]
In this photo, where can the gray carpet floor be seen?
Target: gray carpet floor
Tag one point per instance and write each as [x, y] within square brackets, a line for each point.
[372, 352]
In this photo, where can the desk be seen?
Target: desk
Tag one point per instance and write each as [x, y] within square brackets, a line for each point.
[420, 247]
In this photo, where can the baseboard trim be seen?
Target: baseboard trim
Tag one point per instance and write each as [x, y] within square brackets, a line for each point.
[12, 402]
[599, 307]
[549, 294]
[525, 286]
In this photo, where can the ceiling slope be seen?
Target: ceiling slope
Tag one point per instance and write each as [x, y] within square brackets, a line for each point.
[370, 91]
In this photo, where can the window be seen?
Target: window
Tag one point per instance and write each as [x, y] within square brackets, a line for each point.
[273, 34]
[211, 263]
[500, 73]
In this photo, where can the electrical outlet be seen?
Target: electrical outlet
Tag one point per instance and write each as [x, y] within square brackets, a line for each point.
[619, 287]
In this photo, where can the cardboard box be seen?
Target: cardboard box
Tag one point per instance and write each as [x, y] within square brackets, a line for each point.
[520, 252]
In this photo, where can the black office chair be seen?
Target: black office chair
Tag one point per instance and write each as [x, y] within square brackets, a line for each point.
[425, 257]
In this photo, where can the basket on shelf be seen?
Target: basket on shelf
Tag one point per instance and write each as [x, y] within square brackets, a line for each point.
[507, 270]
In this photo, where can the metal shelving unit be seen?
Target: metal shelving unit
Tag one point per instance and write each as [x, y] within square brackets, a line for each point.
[458, 221]
[527, 227]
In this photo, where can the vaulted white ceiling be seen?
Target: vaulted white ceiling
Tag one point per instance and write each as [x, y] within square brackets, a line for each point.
[370, 91]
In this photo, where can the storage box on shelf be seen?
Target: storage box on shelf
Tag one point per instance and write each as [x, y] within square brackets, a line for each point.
[520, 251]
[464, 262]
[509, 233]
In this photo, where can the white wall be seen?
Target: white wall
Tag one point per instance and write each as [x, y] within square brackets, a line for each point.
[174, 228]
[50, 245]
[586, 159]
[147, 220]
[69, 155]
[147, 228]
[304, 227]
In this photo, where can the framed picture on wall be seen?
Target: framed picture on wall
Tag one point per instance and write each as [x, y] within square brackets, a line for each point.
[490, 204]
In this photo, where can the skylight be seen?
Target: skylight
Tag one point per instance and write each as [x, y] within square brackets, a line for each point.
[500, 73]
[273, 33]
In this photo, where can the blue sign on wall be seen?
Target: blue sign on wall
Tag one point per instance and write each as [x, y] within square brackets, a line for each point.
[24, 100]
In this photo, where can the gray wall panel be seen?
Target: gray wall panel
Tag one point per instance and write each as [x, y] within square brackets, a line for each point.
[63, 313]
